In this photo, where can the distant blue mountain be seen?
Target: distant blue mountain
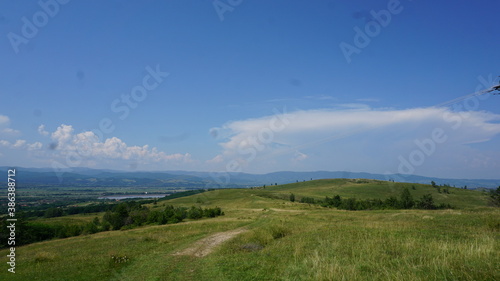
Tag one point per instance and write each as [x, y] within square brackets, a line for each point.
[189, 179]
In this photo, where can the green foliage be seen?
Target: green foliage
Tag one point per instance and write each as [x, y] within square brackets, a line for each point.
[349, 204]
[315, 244]
[125, 215]
[335, 201]
[406, 202]
[195, 213]
[308, 200]
[495, 197]
[212, 212]
[406, 199]
[426, 202]
[392, 203]
[53, 212]
[183, 194]
[90, 228]
[292, 197]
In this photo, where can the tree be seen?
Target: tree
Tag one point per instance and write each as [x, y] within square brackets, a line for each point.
[335, 201]
[195, 213]
[406, 199]
[433, 184]
[392, 203]
[426, 202]
[53, 212]
[90, 228]
[114, 219]
[292, 197]
[349, 204]
[495, 196]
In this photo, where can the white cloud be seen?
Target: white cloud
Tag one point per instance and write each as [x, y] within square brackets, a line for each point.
[19, 144]
[4, 120]
[35, 146]
[357, 140]
[87, 147]
[62, 134]
[5, 129]
[299, 156]
[42, 131]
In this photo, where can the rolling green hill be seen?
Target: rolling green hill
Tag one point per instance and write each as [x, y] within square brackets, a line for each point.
[376, 189]
[264, 236]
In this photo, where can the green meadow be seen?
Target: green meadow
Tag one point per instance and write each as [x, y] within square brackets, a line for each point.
[265, 236]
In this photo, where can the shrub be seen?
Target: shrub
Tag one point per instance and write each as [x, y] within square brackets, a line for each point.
[426, 202]
[406, 199]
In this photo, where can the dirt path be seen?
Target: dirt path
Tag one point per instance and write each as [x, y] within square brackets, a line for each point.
[206, 245]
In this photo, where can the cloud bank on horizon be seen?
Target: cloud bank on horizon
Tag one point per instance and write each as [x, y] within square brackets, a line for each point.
[426, 141]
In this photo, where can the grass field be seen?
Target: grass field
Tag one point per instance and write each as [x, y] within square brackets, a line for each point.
[281, 240]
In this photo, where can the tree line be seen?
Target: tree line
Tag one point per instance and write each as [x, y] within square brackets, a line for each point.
[124, 215]
[405, 201]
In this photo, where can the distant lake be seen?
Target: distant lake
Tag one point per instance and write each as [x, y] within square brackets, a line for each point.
[130, 196]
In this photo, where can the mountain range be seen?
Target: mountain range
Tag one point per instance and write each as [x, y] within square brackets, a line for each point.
[87, 177]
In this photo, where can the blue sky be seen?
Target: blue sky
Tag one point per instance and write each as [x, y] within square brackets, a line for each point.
[252, 86]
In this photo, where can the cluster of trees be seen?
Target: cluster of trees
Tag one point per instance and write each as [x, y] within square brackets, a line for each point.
[405, 201]
[124, 215]
[132, 214]
[28, 232]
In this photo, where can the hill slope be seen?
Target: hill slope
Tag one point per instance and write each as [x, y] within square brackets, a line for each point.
[275, 239]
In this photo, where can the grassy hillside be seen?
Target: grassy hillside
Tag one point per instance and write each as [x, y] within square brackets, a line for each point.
[375, 189]
[280, 240]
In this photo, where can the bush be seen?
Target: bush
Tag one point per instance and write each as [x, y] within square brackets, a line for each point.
[309, 200]
[53, 212]
[495, 197]
[426, 202]
[406, 199]
[195, 213]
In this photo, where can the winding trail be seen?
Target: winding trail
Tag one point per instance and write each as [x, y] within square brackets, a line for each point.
[206, 245]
